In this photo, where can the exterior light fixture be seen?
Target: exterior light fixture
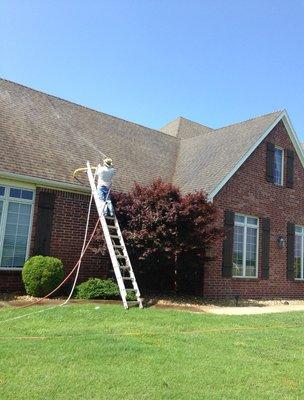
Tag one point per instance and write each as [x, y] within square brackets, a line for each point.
[281, 242]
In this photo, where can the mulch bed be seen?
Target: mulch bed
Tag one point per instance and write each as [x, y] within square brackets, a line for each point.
[195, 304]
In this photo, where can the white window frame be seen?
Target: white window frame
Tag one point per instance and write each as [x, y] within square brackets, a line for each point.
[246, 225]
[302, 248]
[6, 200]
[282, 166]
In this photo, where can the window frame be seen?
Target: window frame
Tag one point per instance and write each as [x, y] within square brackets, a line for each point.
[282, 166]
[246, 225]
[6, 200]
[302, 252]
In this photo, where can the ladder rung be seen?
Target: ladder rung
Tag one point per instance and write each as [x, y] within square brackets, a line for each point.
[118, 251]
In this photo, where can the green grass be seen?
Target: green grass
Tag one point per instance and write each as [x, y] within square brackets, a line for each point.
[78, 352]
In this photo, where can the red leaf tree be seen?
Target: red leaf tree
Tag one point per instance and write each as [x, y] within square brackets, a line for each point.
[165, 233]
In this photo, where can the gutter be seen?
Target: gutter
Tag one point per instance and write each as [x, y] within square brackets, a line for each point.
[47, 183]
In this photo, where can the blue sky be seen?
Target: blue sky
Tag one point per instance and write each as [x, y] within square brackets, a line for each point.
[216, 62]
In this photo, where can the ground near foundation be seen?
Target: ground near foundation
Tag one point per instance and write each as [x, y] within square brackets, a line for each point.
[227, 306]
[100, 351]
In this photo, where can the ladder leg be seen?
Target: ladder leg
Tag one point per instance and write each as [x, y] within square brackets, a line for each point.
[117, 249]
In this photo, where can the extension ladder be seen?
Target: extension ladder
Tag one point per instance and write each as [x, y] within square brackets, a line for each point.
[117, 249]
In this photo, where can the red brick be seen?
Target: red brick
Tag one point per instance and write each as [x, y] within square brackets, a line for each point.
[69, 222]
[248, 192]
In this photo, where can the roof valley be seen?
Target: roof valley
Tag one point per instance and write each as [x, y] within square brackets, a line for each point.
[57, 137]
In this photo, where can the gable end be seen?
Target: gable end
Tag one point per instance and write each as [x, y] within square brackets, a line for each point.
[292, 135]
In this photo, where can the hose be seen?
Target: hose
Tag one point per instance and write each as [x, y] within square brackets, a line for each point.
[82, 253]
[76, 267]
[69, 274]
[53, 291]
[78, 264]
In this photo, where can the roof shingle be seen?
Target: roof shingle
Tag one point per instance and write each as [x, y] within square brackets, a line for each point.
[46, 137]
[204, 160]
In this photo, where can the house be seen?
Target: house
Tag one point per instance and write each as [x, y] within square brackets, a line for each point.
[252, 170]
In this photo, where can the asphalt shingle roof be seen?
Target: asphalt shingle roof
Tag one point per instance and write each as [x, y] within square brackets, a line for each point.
[204, 160]
[184, 128]
[46, 137]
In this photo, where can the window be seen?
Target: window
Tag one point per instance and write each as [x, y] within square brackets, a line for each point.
[299, 252]
[21, 194]
[16, 206]
[278, 166]
[245, 247]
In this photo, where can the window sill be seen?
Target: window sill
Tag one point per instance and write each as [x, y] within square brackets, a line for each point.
[11, 269]
[245, 277]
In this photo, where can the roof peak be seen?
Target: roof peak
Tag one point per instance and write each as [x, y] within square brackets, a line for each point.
[184, 128]
[250, 119]
[175, 127]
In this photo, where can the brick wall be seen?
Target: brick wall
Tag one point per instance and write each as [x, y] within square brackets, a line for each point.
[248, 192]
[10, 281]
[69, 221]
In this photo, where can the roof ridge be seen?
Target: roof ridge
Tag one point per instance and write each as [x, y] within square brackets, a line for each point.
[249, 119]
[238, 123]
[85, 107]
[197, 123]
[178, 127]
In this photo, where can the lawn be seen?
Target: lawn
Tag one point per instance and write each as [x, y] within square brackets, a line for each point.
[79, 352]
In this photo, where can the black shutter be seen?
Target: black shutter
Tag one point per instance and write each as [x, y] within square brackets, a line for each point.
[290, 168]
[290, 250]
[44, 223]
[228, 244]
[270, 162]
[265, 247]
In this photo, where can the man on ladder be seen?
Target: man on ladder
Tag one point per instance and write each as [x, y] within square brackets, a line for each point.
[105, 175]
[114, 240]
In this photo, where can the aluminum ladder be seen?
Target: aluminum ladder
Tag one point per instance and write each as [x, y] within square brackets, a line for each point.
[117, 249]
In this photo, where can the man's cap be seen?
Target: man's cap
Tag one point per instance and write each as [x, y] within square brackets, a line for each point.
[108, 162]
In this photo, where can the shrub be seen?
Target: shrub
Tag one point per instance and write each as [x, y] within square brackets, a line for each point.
[95, 288]
[165, 232]
[41, 275]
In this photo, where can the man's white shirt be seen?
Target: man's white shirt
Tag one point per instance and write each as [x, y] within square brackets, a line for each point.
[105, 175]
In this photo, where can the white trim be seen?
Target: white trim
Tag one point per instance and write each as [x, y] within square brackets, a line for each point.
[293, 137]
[244, 277]
[3, 222]
[246, 225]
[13, 182]
[282, 165]
[47, 183]
[301, 235]
[29, 238]
[4, 219]
[6, 200]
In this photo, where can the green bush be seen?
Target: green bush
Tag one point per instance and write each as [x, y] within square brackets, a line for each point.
[41, 275]
[96, 288]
